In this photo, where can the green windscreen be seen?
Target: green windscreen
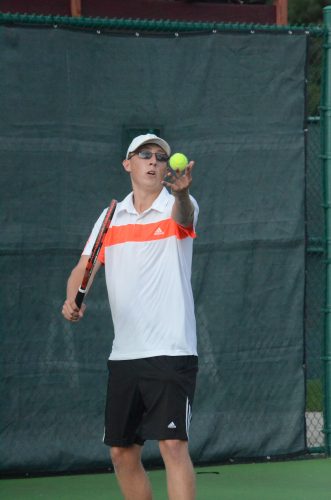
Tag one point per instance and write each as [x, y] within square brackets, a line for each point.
[70, 101]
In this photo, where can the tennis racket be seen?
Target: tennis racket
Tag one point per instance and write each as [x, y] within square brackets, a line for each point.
[94, 254]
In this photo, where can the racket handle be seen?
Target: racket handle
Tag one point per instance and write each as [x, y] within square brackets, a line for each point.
[79, 298]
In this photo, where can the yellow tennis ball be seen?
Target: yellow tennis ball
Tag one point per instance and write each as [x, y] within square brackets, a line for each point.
[178, 161]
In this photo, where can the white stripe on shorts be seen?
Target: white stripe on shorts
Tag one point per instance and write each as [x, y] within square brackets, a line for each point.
[188, 417]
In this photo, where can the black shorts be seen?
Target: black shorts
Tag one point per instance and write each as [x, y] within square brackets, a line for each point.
[149, 398]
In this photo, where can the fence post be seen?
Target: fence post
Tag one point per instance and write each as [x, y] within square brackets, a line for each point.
[326, 158]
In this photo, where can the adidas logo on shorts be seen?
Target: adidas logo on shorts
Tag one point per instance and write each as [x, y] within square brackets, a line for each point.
[172, 425]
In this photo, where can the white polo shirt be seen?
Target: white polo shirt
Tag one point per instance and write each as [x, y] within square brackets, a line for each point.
[148, 259]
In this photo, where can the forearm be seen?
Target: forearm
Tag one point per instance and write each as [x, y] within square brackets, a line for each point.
[70, 310]
[183, 209]
[74, 282]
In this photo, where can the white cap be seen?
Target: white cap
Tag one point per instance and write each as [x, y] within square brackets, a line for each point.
[148, 139]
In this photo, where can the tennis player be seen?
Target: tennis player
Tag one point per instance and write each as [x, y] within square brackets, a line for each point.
[153, 363]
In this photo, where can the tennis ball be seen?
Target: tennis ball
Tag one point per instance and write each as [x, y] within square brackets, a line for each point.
[178, 161]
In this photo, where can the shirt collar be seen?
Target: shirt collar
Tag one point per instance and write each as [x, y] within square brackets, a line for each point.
[159, 204]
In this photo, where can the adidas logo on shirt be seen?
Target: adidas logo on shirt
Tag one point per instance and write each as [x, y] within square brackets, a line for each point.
[172, 425]
[158, 232]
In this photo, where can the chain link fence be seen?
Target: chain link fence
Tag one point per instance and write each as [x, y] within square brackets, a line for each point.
[315, 288]
[315, 267]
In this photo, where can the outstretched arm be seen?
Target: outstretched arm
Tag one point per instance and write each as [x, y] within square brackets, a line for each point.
[183, 210]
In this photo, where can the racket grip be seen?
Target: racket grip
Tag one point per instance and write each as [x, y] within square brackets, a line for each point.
[79, 298]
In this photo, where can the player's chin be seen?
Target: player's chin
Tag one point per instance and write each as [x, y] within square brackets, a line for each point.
[153, 180]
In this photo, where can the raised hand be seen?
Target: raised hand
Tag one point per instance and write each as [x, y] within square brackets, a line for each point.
[179, 181]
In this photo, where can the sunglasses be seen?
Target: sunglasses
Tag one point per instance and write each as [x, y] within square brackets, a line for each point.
[145, 154]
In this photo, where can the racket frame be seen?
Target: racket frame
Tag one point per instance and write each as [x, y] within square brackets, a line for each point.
[94, 253]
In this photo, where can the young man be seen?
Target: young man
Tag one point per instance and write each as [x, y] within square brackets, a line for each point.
[153, 363]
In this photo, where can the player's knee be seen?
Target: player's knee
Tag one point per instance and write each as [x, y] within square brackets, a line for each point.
[119, 456]
[123, 457]
[173, 449]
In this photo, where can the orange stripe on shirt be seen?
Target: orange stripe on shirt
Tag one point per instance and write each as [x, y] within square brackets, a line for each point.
[145, 232]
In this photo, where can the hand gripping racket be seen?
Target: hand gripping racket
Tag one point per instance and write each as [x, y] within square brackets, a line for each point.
[94, 254]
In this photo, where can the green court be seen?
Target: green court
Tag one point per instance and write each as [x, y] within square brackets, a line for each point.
[291, 480]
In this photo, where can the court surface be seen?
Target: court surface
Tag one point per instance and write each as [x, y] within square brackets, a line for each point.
[290, 480]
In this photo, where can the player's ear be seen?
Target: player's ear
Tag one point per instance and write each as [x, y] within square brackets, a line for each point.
[126, 165]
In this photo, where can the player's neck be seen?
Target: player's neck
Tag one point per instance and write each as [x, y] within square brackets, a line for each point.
[143, 200]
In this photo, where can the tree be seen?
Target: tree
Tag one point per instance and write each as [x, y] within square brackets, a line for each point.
[306, 11]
